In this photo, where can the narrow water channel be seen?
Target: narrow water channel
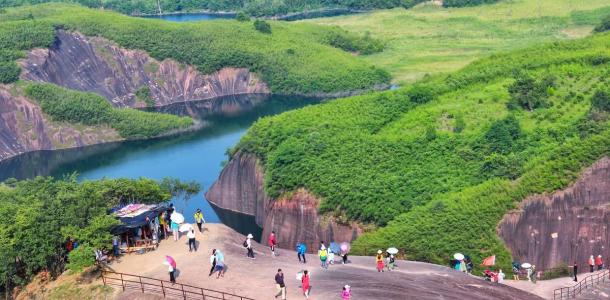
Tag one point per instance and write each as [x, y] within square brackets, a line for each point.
[196, 156]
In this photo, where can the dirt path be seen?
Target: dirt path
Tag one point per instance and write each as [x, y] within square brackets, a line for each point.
[544, 288]
[254, 278]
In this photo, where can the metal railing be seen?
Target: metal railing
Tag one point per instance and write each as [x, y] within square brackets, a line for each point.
[165, 288]
[586, 283]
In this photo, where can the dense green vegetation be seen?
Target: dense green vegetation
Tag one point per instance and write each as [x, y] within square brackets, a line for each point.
[293, 58]
[252, 7]
[38, 215]
[91, 109]
[398, 160]
[427, 39]
[604, 25]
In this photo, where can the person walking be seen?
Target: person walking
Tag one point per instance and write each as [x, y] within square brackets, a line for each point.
[172, 274]
[575, 270]
[272, 242]
[331, 257]
[323, 254]
[379, 260]
[280, 286]
[199, 220]
[248, 245]
[501, 276]
[305, 284]
[192, 244]
[391, 262]
[115, 246]
[220, 264]
[175, 226]
[599, 262]
[591, 264]
[213, 262]
[346, 294]
[301, 249]
[534, 275]
[344, 256]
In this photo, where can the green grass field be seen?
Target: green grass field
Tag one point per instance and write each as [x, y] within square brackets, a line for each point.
[429, 39]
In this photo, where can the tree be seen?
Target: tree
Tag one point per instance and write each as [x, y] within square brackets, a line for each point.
[178, 189]
[604, 25]
[262, 26]
[600, 101]
[503, 134]
[525, 92]
[242, 17]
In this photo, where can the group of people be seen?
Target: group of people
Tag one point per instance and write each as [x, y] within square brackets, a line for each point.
[593, 262]
[390, 261]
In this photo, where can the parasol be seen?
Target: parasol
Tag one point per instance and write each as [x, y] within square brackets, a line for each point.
[392, 250]
[170, 260]
[334, 247]
[458, 256]
[526, 265]
[177, 218]
[345, 247]
[186, 227]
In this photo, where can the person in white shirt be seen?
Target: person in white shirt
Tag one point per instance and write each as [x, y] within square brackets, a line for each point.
[191, 236]
[249, 246]
[172, 277]
[501, 276]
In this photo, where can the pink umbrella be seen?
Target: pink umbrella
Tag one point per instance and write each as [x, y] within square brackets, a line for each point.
[171, 261]
[345, 247]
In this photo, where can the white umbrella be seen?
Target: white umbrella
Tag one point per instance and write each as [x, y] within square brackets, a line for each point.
[526, 265]
[458, 256]
[392, 250]
[186, 227]
[177, 218]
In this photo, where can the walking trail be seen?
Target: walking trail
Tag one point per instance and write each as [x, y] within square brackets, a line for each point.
[255, 278]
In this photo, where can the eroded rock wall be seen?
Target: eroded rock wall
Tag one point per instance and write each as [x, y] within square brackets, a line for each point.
[563, 227]
[294, 219]
[23, 127]
[94, 64]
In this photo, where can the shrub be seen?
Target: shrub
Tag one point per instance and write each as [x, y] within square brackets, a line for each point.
[262, 26]
[9, 72]
[462, 3]
[604, 25]
[526, 93]
[143, 94]
[242, 17]
[503, 134]
[600, 101]
[460, 124]
[420, 94]
[81, 258]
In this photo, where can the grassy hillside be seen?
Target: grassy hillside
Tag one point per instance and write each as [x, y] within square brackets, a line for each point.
[293, 58]
[428, 39]
[437, 163]
[253, 7]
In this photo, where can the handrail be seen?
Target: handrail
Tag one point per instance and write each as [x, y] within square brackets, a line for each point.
[577, 289]
[168, 289]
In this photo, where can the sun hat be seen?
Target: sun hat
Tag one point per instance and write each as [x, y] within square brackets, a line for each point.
[379, 252]
[250, 236]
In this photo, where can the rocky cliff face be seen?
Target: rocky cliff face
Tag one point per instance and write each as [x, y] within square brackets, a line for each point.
[563, 227]
[94, 64]
[24, 128]
[295, 219]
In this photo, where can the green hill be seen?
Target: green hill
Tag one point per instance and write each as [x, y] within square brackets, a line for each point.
[253, 7]
[292, 59]
[437, 163]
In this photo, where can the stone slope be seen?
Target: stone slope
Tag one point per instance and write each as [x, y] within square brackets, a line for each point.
[295, 219]
[94, 64]
[23, 127]
[565, 226]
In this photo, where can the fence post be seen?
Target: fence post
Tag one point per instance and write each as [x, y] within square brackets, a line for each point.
[162, 288]
[122, 284]
[202, 293]
[183, 293]
[141, 284]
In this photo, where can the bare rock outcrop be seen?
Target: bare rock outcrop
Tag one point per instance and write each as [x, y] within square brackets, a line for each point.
[563, 227]
[94, 64]
[239, 188]
[23, 127]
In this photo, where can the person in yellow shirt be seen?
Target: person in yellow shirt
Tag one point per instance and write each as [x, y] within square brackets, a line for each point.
[199, 219]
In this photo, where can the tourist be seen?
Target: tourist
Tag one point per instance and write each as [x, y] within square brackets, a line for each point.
[163, 224]
[248, 245]
[213, 262]
[575, 270]
[591, 264]
[172, 273]
[115, 246]
[379, 260]
[323, 254]
[279, 284]
[501, 276]
[305, 284]
[322, 246]
[301, 249]
[199, 220]
[534, 277]
[469, 265]
[272, 242]
[331, 257]
[344, 256]
[391, 262]
[463, 266]
[599, 262]
[346, 293]
[191, 236]
[515, 271]
[220, 264]
[175, 231]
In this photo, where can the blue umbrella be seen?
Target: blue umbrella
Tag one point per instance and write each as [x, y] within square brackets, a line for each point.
[334, 247]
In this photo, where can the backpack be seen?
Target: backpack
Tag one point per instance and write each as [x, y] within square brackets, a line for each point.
[245, 243]
[323, 254]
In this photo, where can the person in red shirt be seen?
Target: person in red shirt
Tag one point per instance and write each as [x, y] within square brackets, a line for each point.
[305, 284]
[272, 242]
[599, 262]
[591, 264]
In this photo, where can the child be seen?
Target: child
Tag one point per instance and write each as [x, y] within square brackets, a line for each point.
[305, 284]
[379, 260]
[331, 257]
[346, 293]
[323, 253]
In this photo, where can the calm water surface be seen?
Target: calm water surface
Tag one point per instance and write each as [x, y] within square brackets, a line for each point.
[192, 17]
[196, 156]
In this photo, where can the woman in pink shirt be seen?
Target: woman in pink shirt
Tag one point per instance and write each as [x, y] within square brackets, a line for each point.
[305, 284]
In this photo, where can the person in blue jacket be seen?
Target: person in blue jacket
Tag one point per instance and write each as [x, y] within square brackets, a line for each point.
[301, 249]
